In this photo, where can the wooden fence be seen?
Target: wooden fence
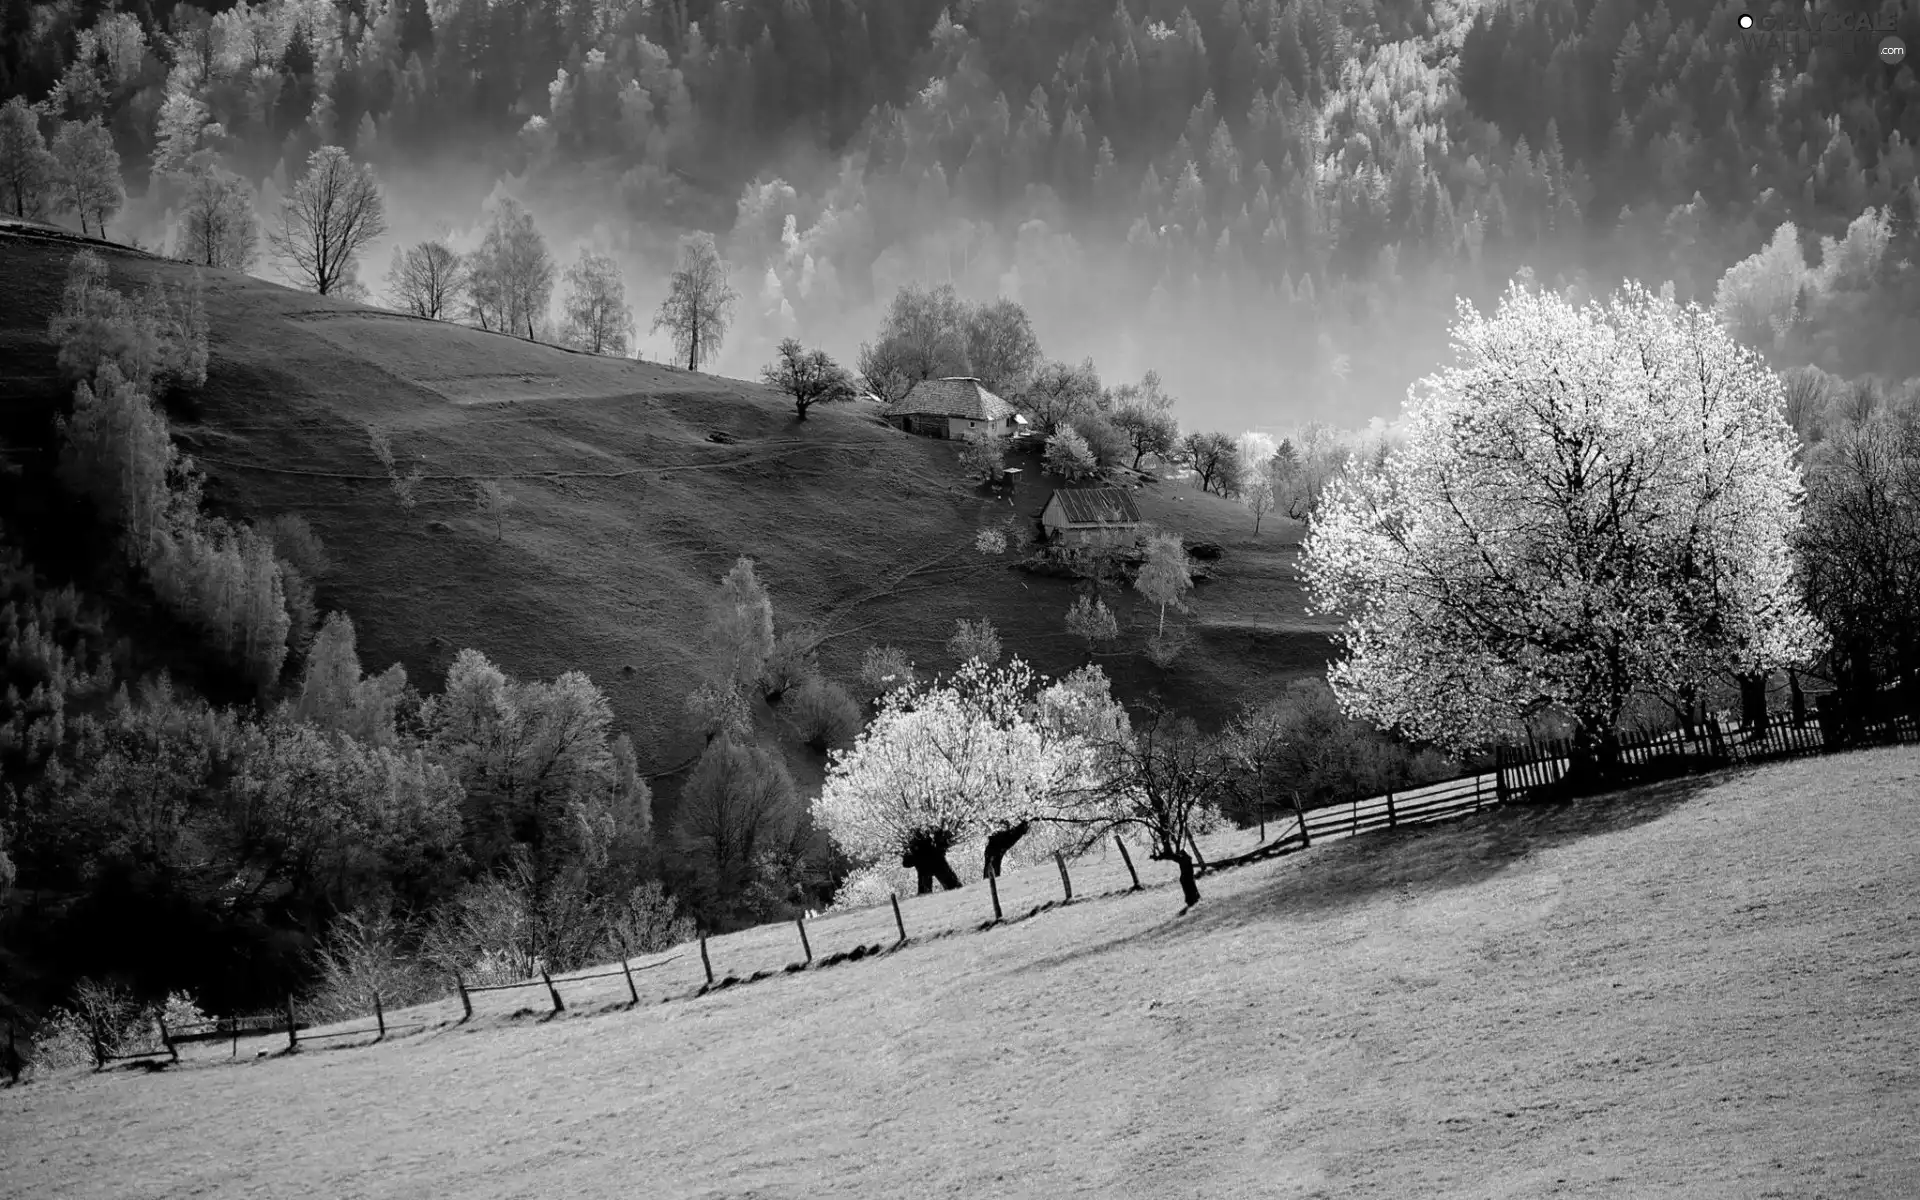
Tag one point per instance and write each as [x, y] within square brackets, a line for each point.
[1542, 767]
[1116, 867]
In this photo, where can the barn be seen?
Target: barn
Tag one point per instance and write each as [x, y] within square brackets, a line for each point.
[952, 408]
[1096, 516]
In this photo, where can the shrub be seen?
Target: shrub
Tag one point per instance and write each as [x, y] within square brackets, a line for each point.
[718, 709]
[1092, 621]
[983, 455]
[644, 921]
[159, 341]
[365, 957]
[884, 668]
[66, 1037]
[823, 715]
[792, 662]
[974, 639]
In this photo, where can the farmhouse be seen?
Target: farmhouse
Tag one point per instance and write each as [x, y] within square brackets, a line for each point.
[1104, 516]
[953, 408]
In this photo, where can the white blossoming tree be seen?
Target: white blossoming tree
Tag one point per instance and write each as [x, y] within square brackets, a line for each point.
[1594, 503]
[981, 754]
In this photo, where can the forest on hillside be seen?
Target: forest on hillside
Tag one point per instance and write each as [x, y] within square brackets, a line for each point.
[1270, 202]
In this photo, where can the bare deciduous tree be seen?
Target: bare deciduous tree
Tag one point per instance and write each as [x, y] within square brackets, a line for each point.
[217, 226]
[492, 500]
[87, 174]
[427, 279]
[331, 214]
[598, 319]
[699, 304]
[510, 277]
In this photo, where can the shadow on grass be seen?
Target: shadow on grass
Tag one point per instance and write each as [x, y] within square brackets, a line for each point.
[1333, 876]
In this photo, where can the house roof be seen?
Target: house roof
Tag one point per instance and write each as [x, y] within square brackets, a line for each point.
[1097, 506]
[955, 397]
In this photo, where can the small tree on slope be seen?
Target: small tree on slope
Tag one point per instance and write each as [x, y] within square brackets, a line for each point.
[1594, 502]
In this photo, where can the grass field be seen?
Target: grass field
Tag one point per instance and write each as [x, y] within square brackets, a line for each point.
[1705, 989]
[626, 512]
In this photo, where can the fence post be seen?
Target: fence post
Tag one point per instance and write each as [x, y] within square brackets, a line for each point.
[234, 1025]
[1128, 859]
[1390, 817]
[897, 922]
[1301, 813]
[1066, 884]
[552, 991]
[466, 1002]
[632, 991]
[380, 1016]
[705, 961]
[166, 1039]
[801, 924]
[993, 886]
[99, 1042]
[293, 1034]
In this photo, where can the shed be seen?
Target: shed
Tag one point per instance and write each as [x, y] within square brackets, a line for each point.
[952, 408]
[1091, 516]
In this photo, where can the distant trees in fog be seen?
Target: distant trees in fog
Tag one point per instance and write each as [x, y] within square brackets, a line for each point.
[700, 302]
[216, 225]
[597, 317]
[428, 279]
[931, 333]
[330, 215]
[510, 277]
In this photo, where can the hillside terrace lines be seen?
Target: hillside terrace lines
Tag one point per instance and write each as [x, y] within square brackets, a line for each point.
[754, 457]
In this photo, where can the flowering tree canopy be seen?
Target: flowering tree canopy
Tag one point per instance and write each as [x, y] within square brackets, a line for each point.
[1595, 502]
[945, 763]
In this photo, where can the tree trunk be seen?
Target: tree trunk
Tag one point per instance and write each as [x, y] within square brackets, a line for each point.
[1189, 886]
[1753, 702]
[927, 855]
[998, 844]
[1595, 759]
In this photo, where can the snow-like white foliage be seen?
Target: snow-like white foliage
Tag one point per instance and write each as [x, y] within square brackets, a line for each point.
[1595, 501]
[986, 749]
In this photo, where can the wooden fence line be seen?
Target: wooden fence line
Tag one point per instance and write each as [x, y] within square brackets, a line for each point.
[1519, 772]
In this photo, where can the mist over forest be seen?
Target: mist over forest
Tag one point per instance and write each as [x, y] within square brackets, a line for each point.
[1271, 204]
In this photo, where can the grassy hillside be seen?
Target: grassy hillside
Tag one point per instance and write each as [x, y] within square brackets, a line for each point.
[626, 512]
[1704, 989]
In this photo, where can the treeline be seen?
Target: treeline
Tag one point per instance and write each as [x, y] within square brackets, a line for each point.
[1332, 168]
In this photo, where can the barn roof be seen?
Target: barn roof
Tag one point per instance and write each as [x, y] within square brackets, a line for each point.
[1097, 506]
[956, 397]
